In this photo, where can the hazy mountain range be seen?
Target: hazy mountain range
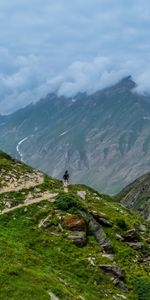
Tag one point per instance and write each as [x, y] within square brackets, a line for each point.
[102, 139]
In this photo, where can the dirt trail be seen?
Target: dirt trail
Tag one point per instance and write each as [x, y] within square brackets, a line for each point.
[46, 196]
[65, 189]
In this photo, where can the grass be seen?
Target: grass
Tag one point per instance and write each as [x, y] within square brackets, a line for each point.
[36, 261]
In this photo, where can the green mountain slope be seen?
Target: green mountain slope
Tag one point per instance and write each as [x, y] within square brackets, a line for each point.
[77, 244]
[103, 139]
[137, 196]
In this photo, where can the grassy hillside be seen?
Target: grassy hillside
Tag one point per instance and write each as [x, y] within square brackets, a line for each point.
[42, 252]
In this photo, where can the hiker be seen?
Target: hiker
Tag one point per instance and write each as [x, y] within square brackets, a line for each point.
[66, 178]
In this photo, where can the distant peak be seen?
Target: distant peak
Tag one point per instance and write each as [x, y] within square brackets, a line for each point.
[127, 82]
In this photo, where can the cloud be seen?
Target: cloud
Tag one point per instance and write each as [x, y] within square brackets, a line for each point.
[70, 46]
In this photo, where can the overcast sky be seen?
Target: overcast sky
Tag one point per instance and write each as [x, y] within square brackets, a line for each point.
[69, 46]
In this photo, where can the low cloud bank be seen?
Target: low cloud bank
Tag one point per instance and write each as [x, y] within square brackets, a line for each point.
[28, 80]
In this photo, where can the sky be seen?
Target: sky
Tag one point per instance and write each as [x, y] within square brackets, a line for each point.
[71, 46]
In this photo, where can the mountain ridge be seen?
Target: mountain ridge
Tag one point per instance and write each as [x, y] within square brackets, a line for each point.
[137, 196]
[106, 133]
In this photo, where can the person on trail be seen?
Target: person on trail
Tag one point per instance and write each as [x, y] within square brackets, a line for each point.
[66, 178]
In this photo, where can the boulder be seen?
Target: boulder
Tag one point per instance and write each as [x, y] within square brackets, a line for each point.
[82, 194]
[113, 270]
[142, 228]
[136, 246]
[120, 284]
[75, 223]
[7, 204]
[100, 235]
[101, 220]
[119, 237]
[131, 235]
[78, 238]
[118, 275]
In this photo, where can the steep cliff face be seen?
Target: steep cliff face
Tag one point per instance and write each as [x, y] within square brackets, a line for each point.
[137, 196]
[53, 243]
[103, 139]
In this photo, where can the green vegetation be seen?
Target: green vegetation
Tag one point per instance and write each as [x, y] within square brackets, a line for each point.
[121, 223]
[69, 202]
[142, 288]
[14, 198]
[51, 184]
[37, 257]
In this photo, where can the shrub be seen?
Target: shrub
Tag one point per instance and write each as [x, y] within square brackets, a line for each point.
[69, 202]
[121, 224]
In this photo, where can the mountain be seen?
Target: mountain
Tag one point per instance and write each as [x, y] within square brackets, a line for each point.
[137, 196]
[77, 244]
[102, 139]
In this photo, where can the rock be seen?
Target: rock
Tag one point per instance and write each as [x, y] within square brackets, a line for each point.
[7, 204]
[113, 270]
[120, 284]
[30, 196]
[119, 237]
[37, 190]
[60, 227]
[100, 235]
[78, 238]
[121, 296]
[62, 280]
[97, 198]
[101, 215]
[91, 260]
[131, 235]
[142, 228]
[45, 223]
[82, 194]
[75, 223]
[53, 297]
[104, 222]
[109, 256]
[101, 220]
[136, 246]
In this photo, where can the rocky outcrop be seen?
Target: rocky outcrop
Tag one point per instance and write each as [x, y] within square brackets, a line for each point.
[101, 220]
[78, 238]
[78, 226]
[113, 270]
[75, 223]
[131, 235]
[117, 275]
[100, 235]
[136, 246]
